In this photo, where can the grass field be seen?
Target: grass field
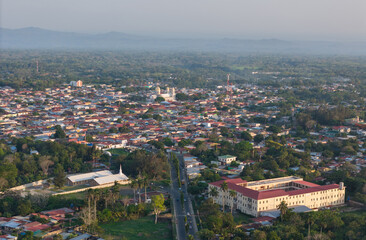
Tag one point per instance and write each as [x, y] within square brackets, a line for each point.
[140, 229]
[118, 151]
[241, 218]
[78, 195]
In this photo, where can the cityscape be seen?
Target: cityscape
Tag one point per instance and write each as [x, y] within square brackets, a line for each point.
[182, 126]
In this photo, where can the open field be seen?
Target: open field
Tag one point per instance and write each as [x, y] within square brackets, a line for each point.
[118, 151]
[241, 218]
[140, 229]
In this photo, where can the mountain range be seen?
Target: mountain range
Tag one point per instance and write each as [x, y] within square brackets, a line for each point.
[37, 38]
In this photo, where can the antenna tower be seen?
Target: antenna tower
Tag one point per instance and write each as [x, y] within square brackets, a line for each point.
[228, 87]
[37, 66]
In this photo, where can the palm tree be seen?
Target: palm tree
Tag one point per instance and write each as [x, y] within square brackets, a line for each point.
[232, 194]
[146, 182]
[88, 213]
[115, 192]
[125, 200]
[310, 221]
[283, 209]
[213, 192]
[97, 195]
[224, 187]
[134, 186]
[139, 184]
[106, 196]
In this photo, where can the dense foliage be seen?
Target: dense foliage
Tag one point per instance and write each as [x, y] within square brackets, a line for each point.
[141, 162]
[178, 69]
[20, 166]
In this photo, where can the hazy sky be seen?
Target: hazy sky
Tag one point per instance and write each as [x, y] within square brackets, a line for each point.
[284, 19]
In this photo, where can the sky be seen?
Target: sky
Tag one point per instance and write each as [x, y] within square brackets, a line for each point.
[337, 20]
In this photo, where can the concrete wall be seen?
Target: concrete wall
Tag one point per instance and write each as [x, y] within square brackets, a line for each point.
[93, 187]
[28, 185]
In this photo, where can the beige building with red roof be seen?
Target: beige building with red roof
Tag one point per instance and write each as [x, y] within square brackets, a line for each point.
[265, 195]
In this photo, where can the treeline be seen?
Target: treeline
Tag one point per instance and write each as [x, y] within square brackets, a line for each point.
[277, 161]
[204, 70]
[333, 149]
[243, 150]
[354, 181]
[325, 116]
[12, 203]
[20, 166]
[325, 224]
[154, 165]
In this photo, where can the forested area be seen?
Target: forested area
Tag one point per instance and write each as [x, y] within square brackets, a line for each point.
[140, 162]
[20, 166]
[180, 69]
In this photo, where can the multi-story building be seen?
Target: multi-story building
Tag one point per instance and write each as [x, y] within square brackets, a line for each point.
[226, 159]
[260, 196]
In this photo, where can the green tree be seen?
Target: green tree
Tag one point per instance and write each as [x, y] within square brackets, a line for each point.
[60, 177]
[273, 236]
[168, 142]
[206, 234]
[259, 235]
[89, 138]
[283, 209]
[213, 192]
[159, 99]
[245, 135]
[224, 188]
[157, 203]
[258, 138]
[59, 132]
[232, 194]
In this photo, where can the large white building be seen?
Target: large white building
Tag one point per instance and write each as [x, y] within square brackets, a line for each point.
[257, 197]
[76, 83]
[226, 159]
[98, 178]
[169, 95]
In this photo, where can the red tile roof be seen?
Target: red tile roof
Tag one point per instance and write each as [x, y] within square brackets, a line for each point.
[258, 195]
[309, 184]
[263, 219]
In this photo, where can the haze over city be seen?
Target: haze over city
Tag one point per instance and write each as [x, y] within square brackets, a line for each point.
[330, 20]
[182, 120]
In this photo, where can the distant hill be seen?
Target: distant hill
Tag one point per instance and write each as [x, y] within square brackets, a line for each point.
[37, 38]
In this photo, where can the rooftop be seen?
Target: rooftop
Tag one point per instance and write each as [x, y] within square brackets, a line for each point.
[88, 176]
[274, 180]
[239, 186]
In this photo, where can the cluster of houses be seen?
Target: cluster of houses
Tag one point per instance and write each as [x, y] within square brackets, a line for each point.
[96, 111]
[44, 225]
[108, 118]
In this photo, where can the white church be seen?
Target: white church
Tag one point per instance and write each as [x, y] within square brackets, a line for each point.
[104, 177]
[169, 95]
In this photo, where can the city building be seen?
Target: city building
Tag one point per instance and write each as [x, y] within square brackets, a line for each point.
[97, 178]
[169, 95]
[257, 197]
[76, 83]
[226, 159]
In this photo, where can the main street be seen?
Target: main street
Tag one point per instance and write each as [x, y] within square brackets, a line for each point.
[179, 212]
[187, 199]
[182, 209]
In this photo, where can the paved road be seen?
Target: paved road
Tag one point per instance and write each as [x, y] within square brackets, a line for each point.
[179, 212]
[187, 209]
[191, 220]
